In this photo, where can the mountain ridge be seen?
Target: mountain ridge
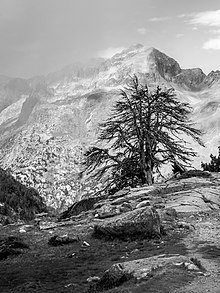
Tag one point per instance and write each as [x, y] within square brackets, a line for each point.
[48, 122]
[170, 70]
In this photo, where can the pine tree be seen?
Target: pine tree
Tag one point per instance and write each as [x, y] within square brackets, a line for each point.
[214, 165]
[142, 132]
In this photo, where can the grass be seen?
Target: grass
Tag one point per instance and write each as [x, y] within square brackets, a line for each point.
[44, 268]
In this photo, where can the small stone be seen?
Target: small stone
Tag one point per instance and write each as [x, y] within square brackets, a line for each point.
[72, 255]
[191, 267]
[69, 285]
[179, 264]
[144, 203]
[93, 279]
[22, 230]
[184, 225]
[85, 244]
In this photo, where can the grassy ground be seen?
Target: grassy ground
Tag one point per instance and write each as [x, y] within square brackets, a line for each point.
[43, 268]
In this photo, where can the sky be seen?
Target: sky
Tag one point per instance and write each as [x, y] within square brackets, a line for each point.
[42, 36]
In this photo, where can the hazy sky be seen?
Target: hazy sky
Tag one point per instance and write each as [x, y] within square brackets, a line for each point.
[40, 36]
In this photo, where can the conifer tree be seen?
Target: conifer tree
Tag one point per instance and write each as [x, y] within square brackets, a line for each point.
[214, 165]
[143, 132]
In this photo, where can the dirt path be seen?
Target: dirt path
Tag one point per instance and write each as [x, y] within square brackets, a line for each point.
[204, 244]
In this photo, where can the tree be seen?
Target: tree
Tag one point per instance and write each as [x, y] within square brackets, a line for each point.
[214, 165]
[142, 132]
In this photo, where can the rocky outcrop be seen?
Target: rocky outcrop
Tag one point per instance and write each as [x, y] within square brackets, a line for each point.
[144, 223]
[142, 269]
[79, 207]
[212, 77]
[191, 79]
[198, 193]
[163, 65]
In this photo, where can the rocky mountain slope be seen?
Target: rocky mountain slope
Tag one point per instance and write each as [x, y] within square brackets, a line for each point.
[47, 122]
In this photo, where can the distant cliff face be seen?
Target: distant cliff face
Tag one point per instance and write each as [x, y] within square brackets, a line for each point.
[47, 122]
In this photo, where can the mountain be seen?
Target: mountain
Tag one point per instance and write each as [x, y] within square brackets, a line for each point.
[47, 122]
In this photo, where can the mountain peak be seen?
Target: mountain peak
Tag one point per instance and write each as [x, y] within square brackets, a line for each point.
[130, 50]
[135, 47]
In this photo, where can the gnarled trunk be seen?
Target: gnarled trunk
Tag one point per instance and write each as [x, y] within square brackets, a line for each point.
[146, 169]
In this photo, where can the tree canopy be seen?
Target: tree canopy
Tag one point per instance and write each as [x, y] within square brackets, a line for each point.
[214, 165]
[143, 131]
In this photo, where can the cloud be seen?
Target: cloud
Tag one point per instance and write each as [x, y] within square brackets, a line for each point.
[158, 19]
[179, 36]
[142, 30]
[109, 52]
[207, 19]
[215, 31]
[182, 15]
[213, 44]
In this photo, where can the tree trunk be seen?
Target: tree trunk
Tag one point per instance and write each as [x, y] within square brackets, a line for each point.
[148, 173]
[149, 177]
[146, 170]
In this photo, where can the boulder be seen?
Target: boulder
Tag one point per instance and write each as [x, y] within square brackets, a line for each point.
[11, 246]
[168, 219]
[62, 240]
[143, 223]
[125, 207]
[107, 211]
[79, 207]
[120, 193]
[142, 269]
